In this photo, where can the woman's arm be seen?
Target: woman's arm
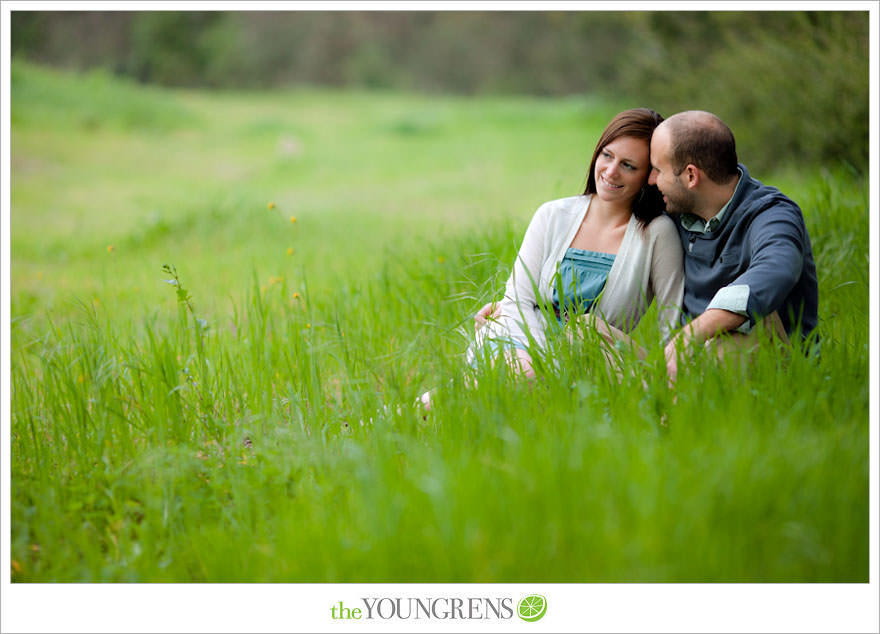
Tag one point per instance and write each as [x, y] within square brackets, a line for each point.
[521, 290]
[667, 275]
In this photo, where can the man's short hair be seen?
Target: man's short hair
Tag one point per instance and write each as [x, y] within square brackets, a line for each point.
[704, 140]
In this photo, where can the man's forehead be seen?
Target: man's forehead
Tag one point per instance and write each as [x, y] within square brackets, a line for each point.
[659, 143]
[661, 134]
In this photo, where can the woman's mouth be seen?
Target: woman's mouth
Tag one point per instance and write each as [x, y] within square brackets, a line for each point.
[611, 185]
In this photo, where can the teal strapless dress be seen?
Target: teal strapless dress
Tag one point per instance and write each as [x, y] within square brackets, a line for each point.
[582, 276]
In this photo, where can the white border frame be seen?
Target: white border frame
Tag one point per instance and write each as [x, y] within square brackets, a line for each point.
[306, 607]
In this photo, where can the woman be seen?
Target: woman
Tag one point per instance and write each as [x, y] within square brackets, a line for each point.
[602, 256]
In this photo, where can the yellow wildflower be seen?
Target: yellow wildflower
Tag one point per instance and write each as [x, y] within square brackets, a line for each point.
[293, 219]
[270, 206]
[109, 248]
[16, 567]
[295, 296]
[289, 250]
[308, 325]
[81, 379]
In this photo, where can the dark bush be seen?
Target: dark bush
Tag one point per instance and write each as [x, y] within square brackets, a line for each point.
[793, 86]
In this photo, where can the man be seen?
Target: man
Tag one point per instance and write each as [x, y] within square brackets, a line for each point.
[748, 258]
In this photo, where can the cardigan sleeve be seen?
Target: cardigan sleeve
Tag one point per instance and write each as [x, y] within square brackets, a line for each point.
[521, 290]
[667, 275]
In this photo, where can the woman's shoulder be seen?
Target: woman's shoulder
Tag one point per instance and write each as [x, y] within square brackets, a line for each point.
[662, 227]
[567, 205]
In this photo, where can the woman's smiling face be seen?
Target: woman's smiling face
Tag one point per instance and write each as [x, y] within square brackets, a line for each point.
[622, 168]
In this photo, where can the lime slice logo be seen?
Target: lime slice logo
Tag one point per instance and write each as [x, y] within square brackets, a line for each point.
[532, 607]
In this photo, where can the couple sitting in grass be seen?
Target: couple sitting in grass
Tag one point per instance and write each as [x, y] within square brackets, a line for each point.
[726, 259]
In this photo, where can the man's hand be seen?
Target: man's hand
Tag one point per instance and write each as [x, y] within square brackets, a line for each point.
[491, 310]
[711, 323]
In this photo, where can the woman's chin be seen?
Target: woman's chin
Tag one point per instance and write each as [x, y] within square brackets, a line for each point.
[616, 197]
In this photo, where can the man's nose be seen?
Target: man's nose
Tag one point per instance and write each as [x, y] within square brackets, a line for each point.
[652, 178]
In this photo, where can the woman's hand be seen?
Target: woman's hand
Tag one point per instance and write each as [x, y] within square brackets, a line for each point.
[492, 310]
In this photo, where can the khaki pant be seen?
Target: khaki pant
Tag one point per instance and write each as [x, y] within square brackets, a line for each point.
[730, 348]
[736, 348]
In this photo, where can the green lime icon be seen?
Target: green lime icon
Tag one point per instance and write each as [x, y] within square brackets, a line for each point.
[532, 607]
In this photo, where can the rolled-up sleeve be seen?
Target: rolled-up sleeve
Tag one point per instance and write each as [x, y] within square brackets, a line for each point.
[735, 299]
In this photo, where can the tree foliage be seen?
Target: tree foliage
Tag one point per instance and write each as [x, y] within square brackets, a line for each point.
[793, 85]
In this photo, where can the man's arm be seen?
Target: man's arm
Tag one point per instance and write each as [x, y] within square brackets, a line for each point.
[776, 247]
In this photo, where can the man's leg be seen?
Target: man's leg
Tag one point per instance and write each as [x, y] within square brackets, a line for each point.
[736, 349]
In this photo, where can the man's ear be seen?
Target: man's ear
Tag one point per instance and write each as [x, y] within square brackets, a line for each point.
[692, 175]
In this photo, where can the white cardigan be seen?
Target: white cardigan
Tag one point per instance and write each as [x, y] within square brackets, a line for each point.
[649, 264]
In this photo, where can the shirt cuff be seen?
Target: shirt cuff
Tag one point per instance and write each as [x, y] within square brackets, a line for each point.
[735, 299]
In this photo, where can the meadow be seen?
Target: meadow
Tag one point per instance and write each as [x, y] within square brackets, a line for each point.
[224, 306]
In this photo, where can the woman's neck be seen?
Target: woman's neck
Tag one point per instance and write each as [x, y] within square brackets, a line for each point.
[603, 227]
[608, 213]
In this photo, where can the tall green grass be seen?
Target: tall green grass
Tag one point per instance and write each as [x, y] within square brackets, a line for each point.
[253, 419]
